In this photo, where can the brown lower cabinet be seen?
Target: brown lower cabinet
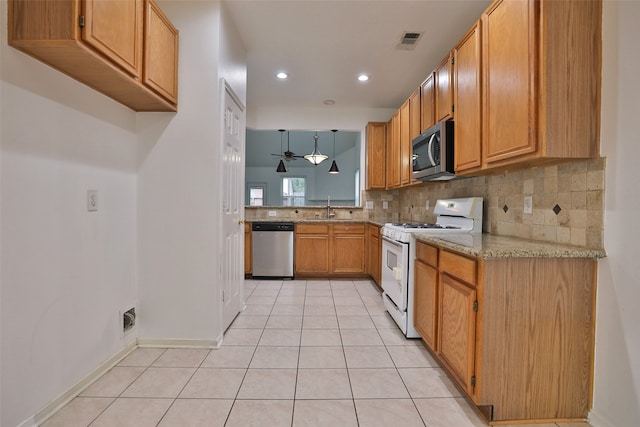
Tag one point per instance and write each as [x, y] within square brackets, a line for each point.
[516, 334]
[330, 249]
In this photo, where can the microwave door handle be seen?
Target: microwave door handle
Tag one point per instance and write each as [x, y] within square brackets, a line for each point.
[430, 150]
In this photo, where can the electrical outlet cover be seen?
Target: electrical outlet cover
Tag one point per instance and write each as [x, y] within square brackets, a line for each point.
[385, 205]
[369, 204]
[528, 204]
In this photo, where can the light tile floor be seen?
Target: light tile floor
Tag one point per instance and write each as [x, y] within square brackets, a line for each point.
[303, 353]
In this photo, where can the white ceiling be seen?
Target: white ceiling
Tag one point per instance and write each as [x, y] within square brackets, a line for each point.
[324, 44]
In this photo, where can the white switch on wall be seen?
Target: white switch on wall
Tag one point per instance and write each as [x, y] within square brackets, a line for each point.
[92, 200]
[385, 205]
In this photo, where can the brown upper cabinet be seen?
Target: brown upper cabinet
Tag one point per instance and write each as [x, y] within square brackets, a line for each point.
[467, 101]
[126, 50]
[393, 151]
[541, 82]
[376, 155]
[444, 89]
[405, 144]
[415, 111]
[427, 103]
[160, 53]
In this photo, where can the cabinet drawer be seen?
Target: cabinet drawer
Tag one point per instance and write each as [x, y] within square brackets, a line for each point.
[312, 228]
[374, 231]
[427, 254]
[458, 266]
[348, 228]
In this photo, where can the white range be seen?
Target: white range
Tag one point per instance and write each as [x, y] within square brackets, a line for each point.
[454, 216]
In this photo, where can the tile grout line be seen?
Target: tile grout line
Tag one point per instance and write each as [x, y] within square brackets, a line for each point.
[183, 387]
[119, 396]
[295, 385]
[233, 404]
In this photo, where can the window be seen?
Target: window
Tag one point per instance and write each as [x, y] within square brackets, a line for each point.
[256, 195]
[293, 191]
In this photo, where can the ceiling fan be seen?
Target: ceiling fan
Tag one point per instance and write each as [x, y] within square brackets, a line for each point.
[286, 155]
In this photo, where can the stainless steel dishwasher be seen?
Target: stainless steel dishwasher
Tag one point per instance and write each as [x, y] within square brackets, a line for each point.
[272, 249]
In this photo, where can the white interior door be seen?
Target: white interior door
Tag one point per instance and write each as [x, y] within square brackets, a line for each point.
[233, 207]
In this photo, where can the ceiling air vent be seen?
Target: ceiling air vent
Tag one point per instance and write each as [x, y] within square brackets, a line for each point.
[409, 40]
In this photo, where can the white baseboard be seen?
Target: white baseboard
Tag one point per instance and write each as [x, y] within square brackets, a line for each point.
[55, 405]
[30, 422]
[178, 343]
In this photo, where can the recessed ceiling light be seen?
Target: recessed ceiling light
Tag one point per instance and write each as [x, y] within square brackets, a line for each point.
[282, 75]
[328, 102]
[363, 77]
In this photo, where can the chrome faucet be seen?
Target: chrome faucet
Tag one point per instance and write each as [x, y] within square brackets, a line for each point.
[329, 213]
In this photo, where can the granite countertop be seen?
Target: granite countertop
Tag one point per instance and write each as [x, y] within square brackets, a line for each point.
[491, 246]
[378, 222]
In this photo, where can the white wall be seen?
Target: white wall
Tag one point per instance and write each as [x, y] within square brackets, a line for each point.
[326, 117]
[617, 367]
[319, 183]
[65, 272]
[179, 183]
[339, 186]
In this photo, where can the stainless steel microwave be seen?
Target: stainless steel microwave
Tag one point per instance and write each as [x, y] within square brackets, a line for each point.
[432, 153]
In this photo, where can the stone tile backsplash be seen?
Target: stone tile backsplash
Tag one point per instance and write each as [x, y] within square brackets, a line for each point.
[575, 190]
[568, 203]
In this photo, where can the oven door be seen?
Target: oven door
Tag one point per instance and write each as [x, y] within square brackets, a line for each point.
[395, 269]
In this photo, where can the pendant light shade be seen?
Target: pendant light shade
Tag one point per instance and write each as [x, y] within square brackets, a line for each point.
[281, 168]
[334, 166]
[316, 157]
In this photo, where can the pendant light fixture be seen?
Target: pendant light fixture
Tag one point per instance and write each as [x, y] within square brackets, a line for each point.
[316, 157]
[281, 168]
[334, 166]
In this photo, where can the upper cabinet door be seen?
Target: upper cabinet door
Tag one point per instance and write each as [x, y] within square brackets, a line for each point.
[376, 155]
[405, 143]
[468, 108]
[160, 53]
[393, 151]
[427, 103]
[114, 28]
[444, 89]
[509, 64]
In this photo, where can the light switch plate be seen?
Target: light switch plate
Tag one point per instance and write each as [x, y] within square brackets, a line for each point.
[92, 200]
[427, 205]
[385, 205]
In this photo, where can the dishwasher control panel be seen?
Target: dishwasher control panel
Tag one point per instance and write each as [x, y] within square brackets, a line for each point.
[272, 226]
